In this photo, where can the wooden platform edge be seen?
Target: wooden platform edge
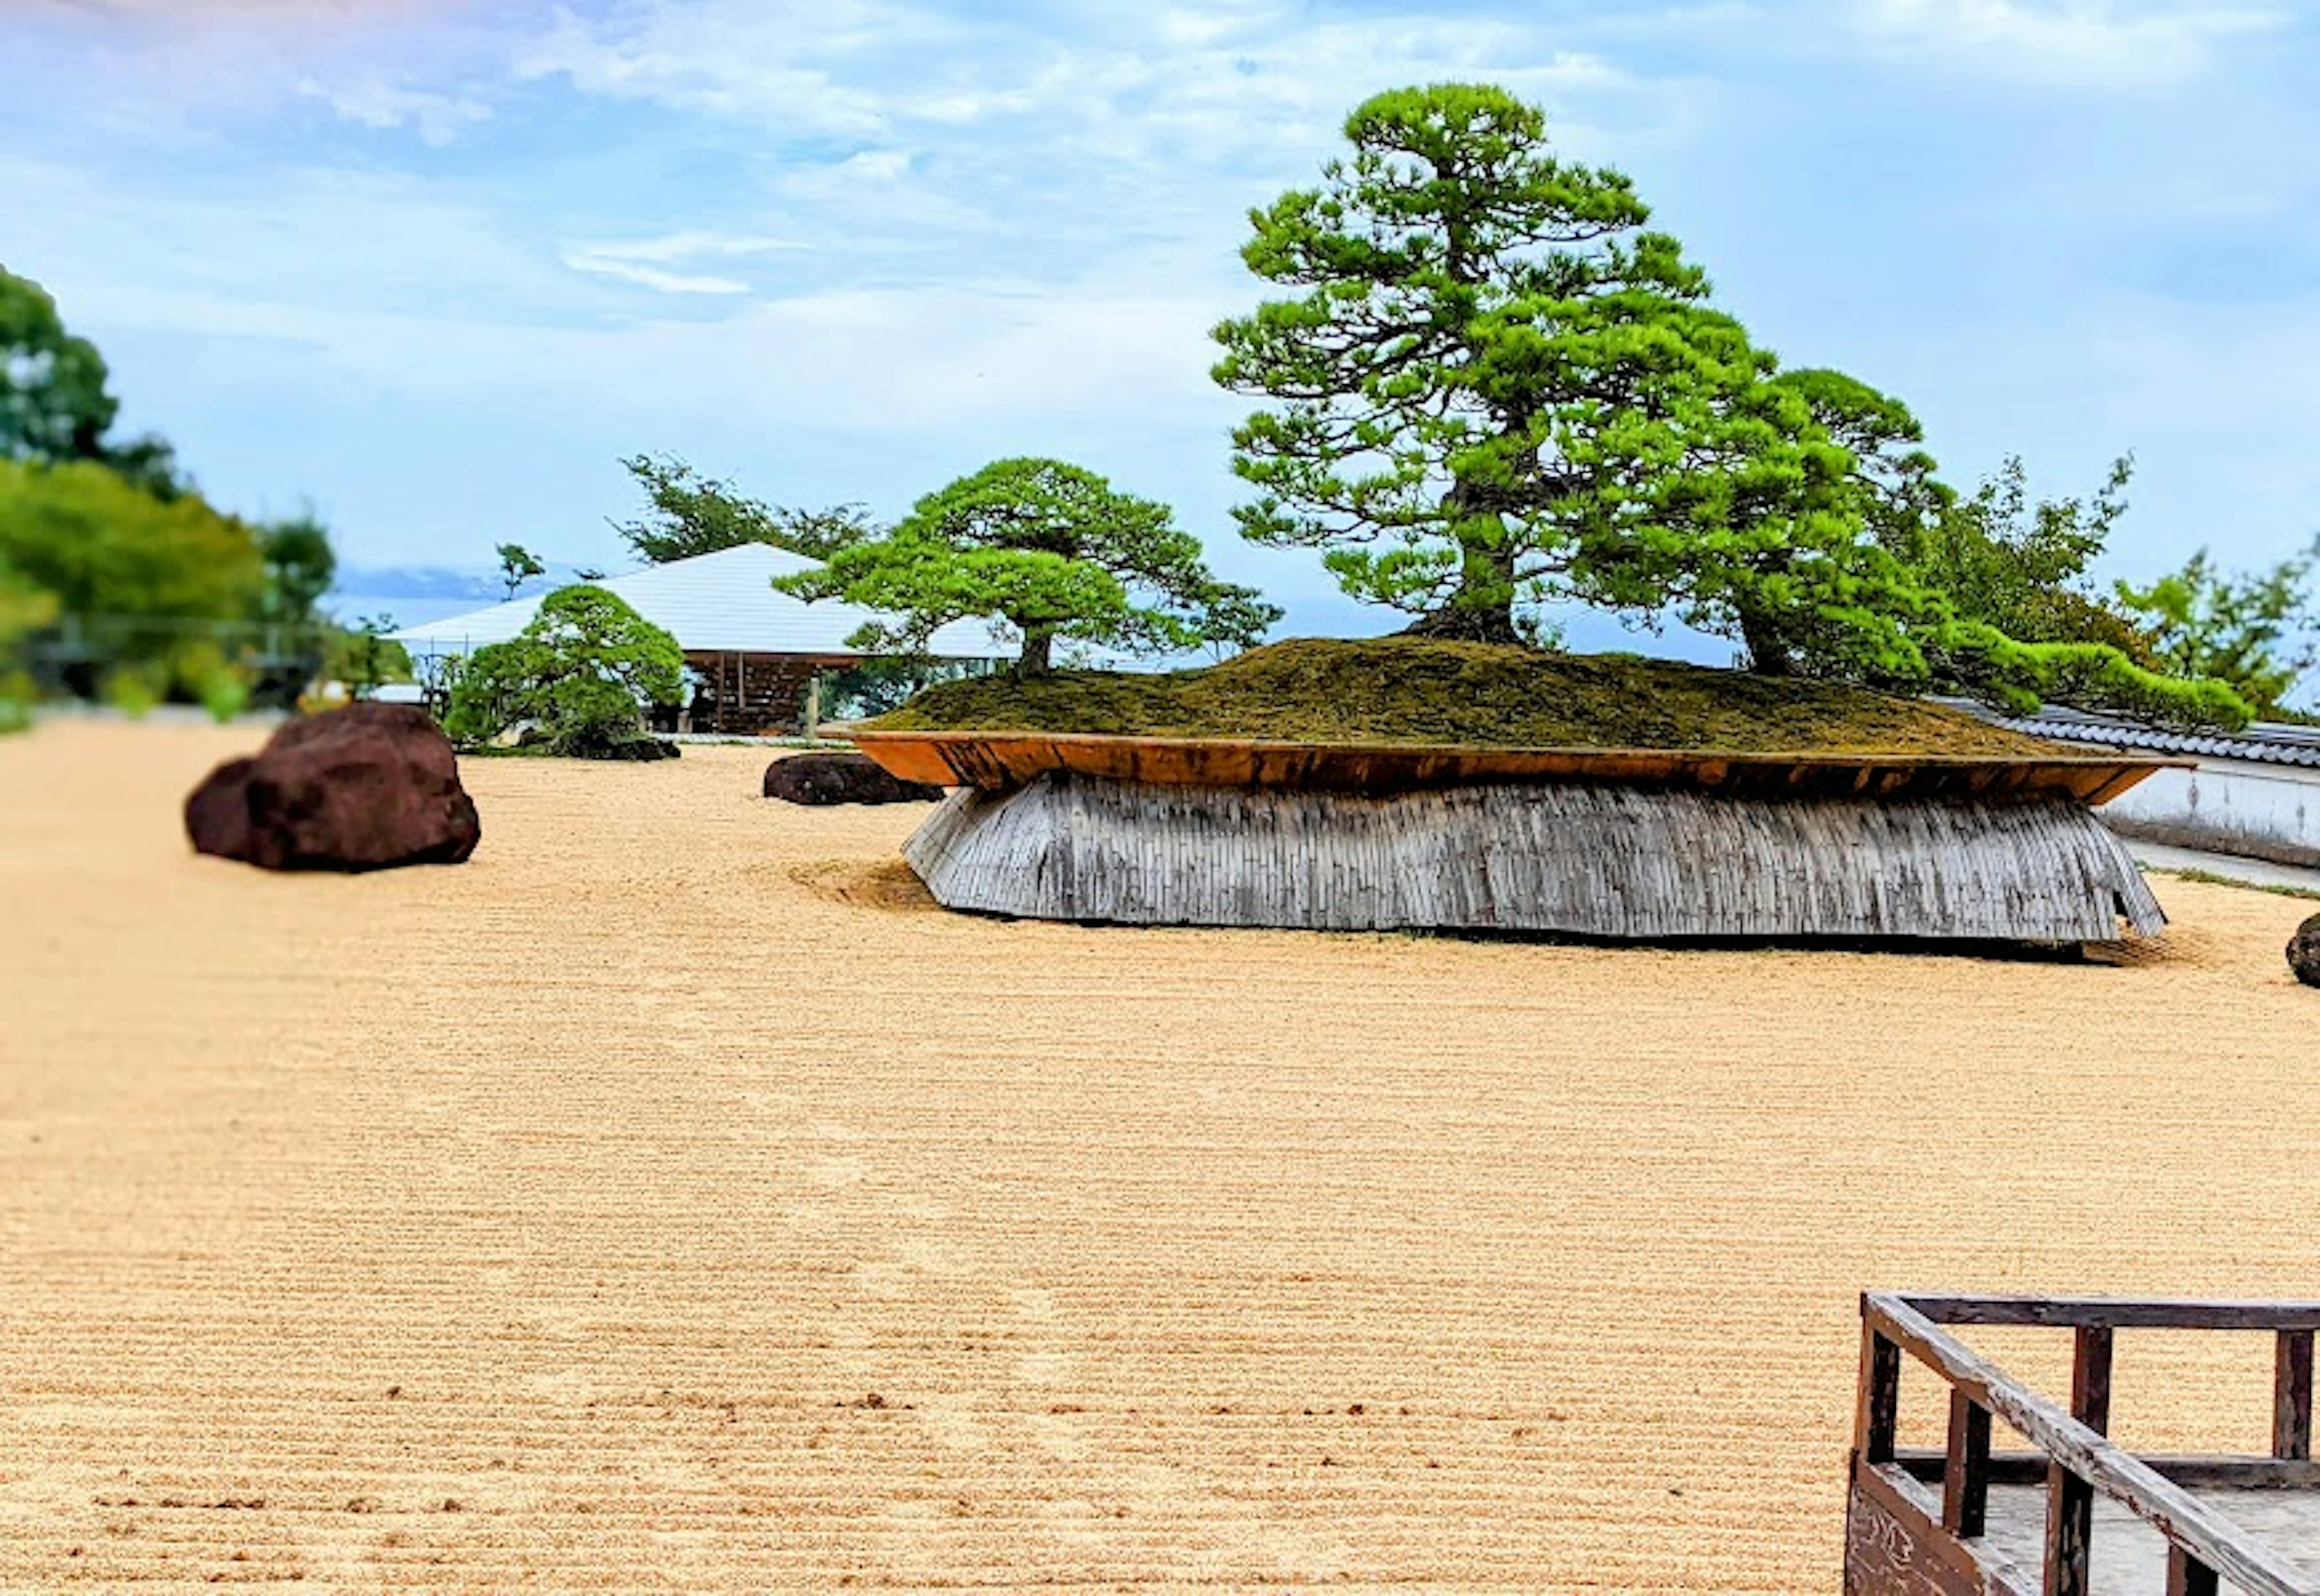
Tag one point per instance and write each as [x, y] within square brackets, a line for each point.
[999, 760]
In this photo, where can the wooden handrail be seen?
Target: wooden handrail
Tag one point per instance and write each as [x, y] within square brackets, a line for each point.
[2122, 1313]
[2208, 1538]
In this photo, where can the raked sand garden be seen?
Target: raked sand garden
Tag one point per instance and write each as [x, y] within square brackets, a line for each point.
[673, 1198]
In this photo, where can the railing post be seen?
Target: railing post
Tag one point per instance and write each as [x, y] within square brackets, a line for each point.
[2069, 1519]
[1880, 1396]
[2071, 1500]
[2291, 1395]
[2091, 1378]
[2186, 1575]
[1965, 1477]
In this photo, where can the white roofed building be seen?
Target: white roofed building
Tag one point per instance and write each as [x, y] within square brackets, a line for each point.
[753, 650]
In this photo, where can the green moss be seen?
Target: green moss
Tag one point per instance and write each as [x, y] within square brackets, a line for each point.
[1422, 690]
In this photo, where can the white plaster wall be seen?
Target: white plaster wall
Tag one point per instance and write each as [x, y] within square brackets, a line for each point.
[2264, 812]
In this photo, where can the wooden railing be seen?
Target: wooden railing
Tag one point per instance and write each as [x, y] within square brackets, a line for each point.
[2072, 1452]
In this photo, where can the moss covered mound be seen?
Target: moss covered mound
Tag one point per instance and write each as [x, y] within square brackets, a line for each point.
[1422, 690]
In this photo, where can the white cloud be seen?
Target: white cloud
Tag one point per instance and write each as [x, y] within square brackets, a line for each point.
[734, 60]
[875, 68]
[875, 165]
[652, 277]
[690, 245]
[895, 361]
[274, 14]
[437, 118]
[2079, 42]
[643, 261]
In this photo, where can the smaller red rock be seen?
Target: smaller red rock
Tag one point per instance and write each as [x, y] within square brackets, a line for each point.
[842, 778]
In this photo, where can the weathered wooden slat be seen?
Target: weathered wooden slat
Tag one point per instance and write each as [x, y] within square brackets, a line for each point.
[1879, 1415]
[2200, 1472]
[999, 759]
[2291, 1399]
[2084, 1459]
[2070, 1500]
[1965, 1484]
[2186, 1575]
[2070, 1532]
[1628, 862]
[2123, 1313]
[2090, 1355]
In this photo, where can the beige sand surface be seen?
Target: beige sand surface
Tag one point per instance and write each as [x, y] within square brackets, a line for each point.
[669, 1198]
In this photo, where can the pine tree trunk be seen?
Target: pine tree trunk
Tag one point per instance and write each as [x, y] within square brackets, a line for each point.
[1469, 623]
[1482, 609]
[1038, 649]
[1768, 651]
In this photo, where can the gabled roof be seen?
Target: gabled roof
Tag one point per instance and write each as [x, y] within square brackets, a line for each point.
[715, 603]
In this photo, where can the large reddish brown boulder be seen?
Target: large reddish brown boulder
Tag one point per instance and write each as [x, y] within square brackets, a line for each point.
[366, 787]
[842, 778]
[2304, 952]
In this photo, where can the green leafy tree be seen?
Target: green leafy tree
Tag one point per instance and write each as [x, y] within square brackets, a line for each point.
[55, 403]
[364, 658]
[577, 677]
[1052, 550]
[518, 566]
[2020, 565]
[2252, 629]
[25, 609]
[690, 514]
[1452, 388]
[151, 582]
[1494, 386]
[300, 566]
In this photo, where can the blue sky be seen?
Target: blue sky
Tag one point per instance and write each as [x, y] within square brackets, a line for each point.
[435, 265]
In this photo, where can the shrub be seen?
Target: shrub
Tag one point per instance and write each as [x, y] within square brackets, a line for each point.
[134, 689]
[225, 694]
[574, 681]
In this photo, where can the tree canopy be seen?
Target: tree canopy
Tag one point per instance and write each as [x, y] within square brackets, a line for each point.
[690, 514]
[163, 589]
[1494, 386]
[300, 566]
[106, 548]
[577, 677]
[2253, 630]
[518, 566]
[55, 402]
[1054, 551]
[1413, 405]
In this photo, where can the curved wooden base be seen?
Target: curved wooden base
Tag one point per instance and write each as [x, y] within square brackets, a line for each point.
[1587, 860]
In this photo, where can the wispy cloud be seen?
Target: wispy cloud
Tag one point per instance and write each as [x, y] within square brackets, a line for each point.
[652, 277]
[2081, 42]
[721, 59]
[646, 261]
[276, 13]
[438, 118]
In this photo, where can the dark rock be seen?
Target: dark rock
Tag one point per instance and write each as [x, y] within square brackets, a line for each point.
[590, 745]
[2304, 952]
[217, 812]
[842, 778]
[366, 787]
